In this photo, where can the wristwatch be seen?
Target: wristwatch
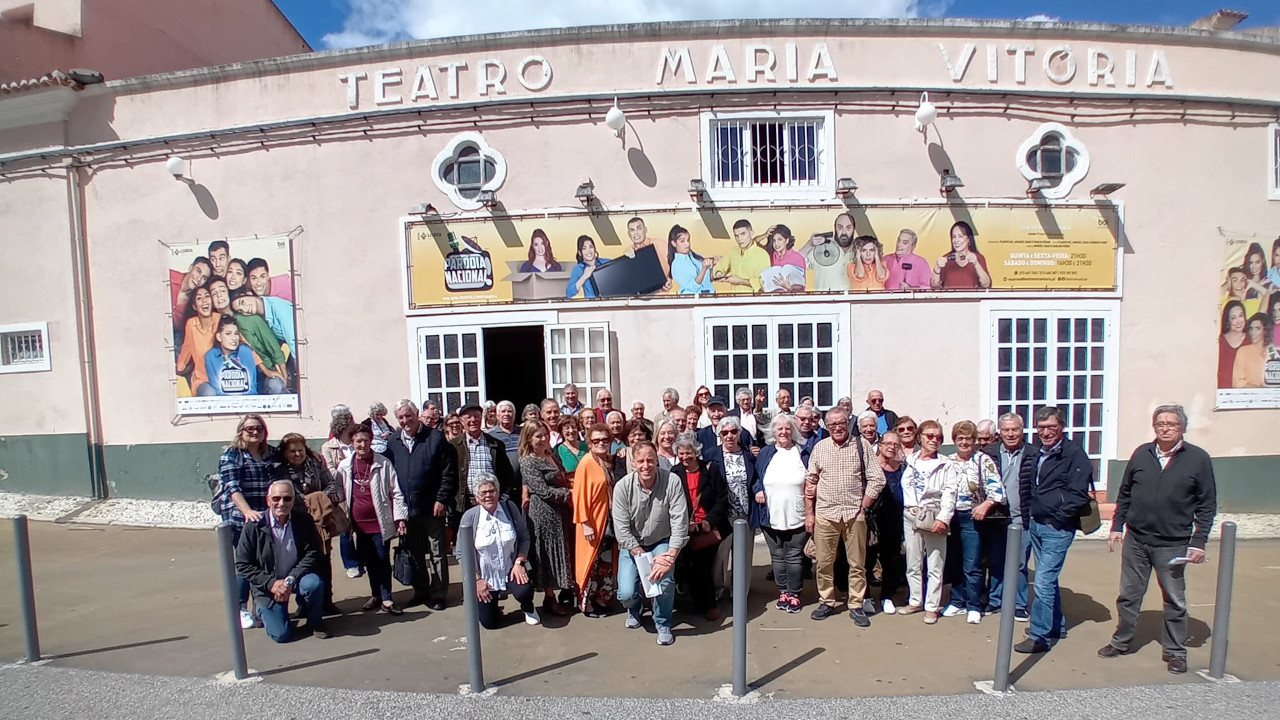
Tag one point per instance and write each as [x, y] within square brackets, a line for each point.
[289, 581]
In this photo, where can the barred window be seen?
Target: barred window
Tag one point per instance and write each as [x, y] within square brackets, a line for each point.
[24, 348]
[767, 153]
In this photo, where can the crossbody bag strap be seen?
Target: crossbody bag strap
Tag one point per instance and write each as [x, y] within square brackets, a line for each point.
[862, 470]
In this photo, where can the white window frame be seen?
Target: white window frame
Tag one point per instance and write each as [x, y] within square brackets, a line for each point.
[1067, 180]
[45, 364]
[1273, 161]
[991, 311]
[587, 388]
[450, 153]
[823, 189]
[838, 315]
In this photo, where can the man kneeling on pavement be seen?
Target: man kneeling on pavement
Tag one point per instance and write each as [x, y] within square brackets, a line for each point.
[280, 555]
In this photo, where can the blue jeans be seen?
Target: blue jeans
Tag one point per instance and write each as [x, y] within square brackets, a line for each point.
[347, 546]
[242, 585]
[1023, 565]
[1050, 546]
[966, 592]
[275, 615]
[994, 535]
[631, 592]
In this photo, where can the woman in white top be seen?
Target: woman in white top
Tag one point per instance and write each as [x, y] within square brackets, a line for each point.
[978, 489]
[926, 484]
[779, 488]
[664, 436]
[381, 428]
[502, 547]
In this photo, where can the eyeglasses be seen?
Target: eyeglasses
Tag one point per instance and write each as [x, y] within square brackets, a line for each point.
[252, 429]
[838, 423]
[875, 401]
[1172, 425]
[933, 436]
[904, 428]
[958, 438]
[488, 491]
[281, 498]
[727, 433]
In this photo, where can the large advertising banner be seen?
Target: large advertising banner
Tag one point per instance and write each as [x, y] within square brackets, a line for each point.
[1249, 324]
[765, 251]
[234, 325]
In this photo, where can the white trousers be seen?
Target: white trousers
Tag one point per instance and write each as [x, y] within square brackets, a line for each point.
[922, 547]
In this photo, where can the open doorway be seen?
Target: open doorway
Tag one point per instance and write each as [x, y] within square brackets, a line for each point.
[515, 365]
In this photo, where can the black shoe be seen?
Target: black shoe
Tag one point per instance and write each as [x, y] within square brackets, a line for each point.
[1109, 651]
[1030, 647]
[869, 606]
[859, 617]
[297, 614]
[318, 630]
[417, 600]
[822, 612]
[436, 604]
[1177, 665]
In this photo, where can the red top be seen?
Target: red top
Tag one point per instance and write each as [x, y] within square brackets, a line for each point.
[362, 512]
[692, 478]
[954, 276]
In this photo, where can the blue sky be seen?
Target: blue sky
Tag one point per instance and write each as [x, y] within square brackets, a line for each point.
[348, 23]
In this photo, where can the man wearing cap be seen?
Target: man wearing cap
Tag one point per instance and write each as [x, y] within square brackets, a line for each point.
[709, 436]
[479, 454]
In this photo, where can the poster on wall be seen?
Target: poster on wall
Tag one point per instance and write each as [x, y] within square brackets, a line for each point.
[1249, 323]
[234, 325]
[763, 251]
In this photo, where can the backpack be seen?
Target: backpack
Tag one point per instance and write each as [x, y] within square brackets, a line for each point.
[214, 482]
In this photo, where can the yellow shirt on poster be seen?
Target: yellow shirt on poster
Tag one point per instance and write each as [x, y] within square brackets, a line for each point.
[747, 265]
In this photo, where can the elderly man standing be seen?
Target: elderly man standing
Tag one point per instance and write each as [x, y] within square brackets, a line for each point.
[670, 403]
[842, 482]
[280, 558]
[811, 431]
[1016, 462]
[650, 519]
[480, 455]
[886, 419]
[604, 405]
[1058, 491]
[571, 404]
[986, 436]
[1167, 502]
[426, 467]
[637, 413]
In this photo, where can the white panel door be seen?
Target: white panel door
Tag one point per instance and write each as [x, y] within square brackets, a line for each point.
[578, 353]
[451, 366]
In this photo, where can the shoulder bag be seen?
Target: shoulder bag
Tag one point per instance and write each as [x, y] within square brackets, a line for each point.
[403, 568]
[998, 511]
[923, 517]
[1090, 514]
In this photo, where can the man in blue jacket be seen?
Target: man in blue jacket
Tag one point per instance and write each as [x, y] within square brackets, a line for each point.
[426, 467]
[1058, 492]
[1167, 502]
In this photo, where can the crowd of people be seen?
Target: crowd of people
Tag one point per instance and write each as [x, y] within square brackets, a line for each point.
[605, 512]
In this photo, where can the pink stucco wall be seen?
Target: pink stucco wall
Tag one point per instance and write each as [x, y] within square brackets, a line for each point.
[127, 38]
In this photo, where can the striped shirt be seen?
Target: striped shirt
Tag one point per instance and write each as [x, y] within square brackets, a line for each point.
[241, 473]
[480, 462]
[835, 478]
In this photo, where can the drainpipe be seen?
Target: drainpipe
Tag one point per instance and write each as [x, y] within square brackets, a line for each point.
[85, 327]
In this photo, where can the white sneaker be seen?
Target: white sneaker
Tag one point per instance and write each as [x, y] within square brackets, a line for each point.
[952, 611]
[246, 620]
[531, 618]
[888, 608]
[974, 617]
[353, 573]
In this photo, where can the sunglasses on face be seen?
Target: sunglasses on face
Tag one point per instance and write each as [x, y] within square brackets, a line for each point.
[907, 429]
[728, 433]
[252, 429]
[933, 436]
[595, 441]
[281, 498]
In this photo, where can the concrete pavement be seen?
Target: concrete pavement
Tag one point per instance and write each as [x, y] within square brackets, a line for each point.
[147, 601]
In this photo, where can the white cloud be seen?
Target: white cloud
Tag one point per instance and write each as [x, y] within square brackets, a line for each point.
[378, 21]
[1041, 18]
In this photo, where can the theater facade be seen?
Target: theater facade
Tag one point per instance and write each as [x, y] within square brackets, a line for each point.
[974, 217]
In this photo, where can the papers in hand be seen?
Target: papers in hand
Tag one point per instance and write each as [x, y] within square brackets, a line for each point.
[781, 278]
[644, 565]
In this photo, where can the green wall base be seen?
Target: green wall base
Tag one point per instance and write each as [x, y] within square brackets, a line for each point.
[45, 464]
[1245, 484]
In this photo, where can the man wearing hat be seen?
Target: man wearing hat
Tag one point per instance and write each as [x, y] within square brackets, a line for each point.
[709, 436]
[480, 454]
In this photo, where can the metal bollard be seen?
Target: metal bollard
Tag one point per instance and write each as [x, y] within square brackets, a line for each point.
[226, 533]
[471, 603]
[741, 583]
[1012, 564]
[26, 586]
[1222, 603]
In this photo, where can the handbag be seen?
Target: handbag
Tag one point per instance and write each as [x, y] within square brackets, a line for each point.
[923, 518]
[703, 540]
[1090, 514]
[998, 511]
[403, 569]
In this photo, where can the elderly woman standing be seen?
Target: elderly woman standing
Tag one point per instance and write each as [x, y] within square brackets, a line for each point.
[708, 500]
[379, 426]
[928, 489]
[304, 468]
[978, 490]
[779, 488]
[867, 427]
[502, 551]
[572, 449]
[739, 467]
[377, 511]
[665, 438]
[651, 519]
[336, 449]
[244, 473]
[595, 545]
[550, 510]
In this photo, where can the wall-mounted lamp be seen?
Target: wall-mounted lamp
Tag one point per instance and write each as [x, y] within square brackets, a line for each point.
[948, 182]
[177, 167]
[698, 191]
[615, 119]
[1105, 189]
[424, 209]
[1037, 185]
[586, 193]
[845, 187]
[487, 199]
[926, 114]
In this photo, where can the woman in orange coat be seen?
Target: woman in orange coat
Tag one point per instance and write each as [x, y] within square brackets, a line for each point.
[596, 550]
